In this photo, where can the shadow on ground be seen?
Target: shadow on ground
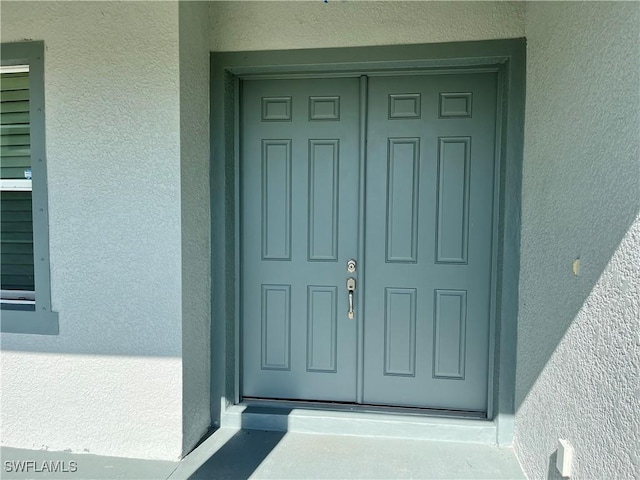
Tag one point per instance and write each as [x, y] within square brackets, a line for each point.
[239, 457]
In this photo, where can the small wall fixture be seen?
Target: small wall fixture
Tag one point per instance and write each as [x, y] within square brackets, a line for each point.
[576, 267]
[564, 458]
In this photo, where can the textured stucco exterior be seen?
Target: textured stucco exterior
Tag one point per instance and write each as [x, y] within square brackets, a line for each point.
[111, 381]
[578, 352]
[259, 25]
[196, 243]
[128, 165]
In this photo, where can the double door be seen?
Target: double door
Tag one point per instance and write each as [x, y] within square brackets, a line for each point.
[397, 174]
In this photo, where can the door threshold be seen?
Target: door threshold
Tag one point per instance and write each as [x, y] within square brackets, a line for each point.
[361, 407]
[372, 421]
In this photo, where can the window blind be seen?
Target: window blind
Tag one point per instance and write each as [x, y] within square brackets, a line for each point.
[16, 218]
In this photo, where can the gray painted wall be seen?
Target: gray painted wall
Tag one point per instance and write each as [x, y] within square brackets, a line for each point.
[127, 105]
[128, 179]
[194, 31]
[258, 25]
[111, 382]
[578, 355]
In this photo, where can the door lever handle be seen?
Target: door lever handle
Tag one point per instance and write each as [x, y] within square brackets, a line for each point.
[351, 287]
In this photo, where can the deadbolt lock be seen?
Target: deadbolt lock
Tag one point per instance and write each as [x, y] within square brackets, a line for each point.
[351, 266]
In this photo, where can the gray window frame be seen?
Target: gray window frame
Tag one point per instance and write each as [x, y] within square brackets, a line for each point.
[43, 320]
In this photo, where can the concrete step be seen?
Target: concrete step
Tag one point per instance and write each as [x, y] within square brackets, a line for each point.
[358, 423]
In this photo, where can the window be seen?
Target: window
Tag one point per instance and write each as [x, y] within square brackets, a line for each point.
[18, 286]
[25, 294]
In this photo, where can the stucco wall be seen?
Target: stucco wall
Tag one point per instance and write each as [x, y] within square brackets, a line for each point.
[196, 219]
[578, 356]
[127, 219]
[258, 25]
[111, 382]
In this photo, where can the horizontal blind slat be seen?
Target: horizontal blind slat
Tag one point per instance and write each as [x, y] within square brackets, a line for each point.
[13, 82]
[16, 248]
[15, 151]
[15, 95]
[16, 227]
[12, 118]
[14, 74]
[15, 216]
[16, 237]
[17, 161]
[15, 139]
[15, 129]
[13, 107]
[15, 259]
[18, 282]
[15, 205]
[16, 196]
[17, 270]
[15, 173]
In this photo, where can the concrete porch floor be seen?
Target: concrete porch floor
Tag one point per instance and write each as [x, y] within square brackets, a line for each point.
[243, 454]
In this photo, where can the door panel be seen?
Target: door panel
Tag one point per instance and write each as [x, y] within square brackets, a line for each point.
[428, 219]
[299, 217]
[430, 168]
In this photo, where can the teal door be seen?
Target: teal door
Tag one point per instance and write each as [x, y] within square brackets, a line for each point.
[423, 278]
[430, 170]
[299, 175]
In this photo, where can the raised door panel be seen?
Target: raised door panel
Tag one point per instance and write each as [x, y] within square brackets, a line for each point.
[403, 175]
[276, 199]
[400, 331]
[452, 211]
[299, 217]
[322, 328]
[275, 328]
[429, 205]
[324, 169]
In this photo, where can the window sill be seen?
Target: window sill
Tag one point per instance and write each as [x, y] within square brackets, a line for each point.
[32, 322]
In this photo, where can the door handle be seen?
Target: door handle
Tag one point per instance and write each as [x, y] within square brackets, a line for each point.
[351, 287]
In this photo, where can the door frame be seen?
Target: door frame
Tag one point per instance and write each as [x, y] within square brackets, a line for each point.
[507, 57]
